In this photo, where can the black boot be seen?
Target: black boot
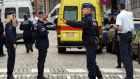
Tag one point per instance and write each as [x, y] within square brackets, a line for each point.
[31, 49]
[100, 78]
[10, 77]
[119, 66]
[27, 51]
[41, 77]
[2, 55]
[129, 78]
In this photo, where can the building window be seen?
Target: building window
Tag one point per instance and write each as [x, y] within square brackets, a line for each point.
[135, 4]
[23, 11]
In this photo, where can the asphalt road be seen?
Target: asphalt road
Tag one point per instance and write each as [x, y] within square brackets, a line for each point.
[57, 63]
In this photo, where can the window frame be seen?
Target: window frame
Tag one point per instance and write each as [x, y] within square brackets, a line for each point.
[22, 12]
[75, 10]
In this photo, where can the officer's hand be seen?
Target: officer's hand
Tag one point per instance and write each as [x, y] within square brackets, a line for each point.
[15, 46]
[112, 26]
[65, 21]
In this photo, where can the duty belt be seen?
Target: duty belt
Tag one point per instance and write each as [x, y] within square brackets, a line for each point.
[129, 32]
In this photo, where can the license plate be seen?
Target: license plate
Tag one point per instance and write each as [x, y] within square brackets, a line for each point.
[70, 34]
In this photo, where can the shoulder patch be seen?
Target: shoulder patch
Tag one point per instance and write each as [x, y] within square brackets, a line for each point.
[94, 22]
[93, 19]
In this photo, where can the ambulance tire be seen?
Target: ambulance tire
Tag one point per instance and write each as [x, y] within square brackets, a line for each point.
[61, 50]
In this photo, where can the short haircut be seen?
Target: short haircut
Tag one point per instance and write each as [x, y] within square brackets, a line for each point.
[122, 7]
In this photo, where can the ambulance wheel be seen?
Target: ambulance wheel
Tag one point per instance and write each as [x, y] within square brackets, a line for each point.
[61, 50]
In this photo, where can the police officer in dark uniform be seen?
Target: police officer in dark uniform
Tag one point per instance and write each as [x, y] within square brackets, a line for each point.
[1, 39]
[10, 44]
[116, 43]
[42, 44]
[90, 39]
[116, 47]
[27, 27]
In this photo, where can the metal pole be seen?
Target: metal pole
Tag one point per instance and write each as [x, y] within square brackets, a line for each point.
[114, 6]
[36, 3]
[45, 6]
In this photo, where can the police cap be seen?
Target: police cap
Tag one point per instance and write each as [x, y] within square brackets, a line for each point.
[116, 13]
[25, 15]
[87, 5]
[122, 5]
[10, 12]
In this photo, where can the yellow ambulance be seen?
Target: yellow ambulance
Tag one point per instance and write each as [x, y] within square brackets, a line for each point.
[69, 37]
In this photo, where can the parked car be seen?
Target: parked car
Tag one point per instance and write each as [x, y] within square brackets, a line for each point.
[136, 41]
[110, 41]
[107, 38]
[104, 37]
[53, 17]
[54, 13]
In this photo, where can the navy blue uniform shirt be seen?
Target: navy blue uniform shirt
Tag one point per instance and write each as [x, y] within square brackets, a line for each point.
[27, 26]
[89, 26]
[10, 32]
[41, 36]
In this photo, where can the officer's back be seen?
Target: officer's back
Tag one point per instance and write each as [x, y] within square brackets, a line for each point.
[89, 26]
[92, 27]
[27, 26]
[1, 31]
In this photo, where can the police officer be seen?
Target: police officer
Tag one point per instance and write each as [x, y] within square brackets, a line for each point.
[108, 20]
[1, 39]
[42, 44]
[125, 26]
[117, 50]
[10, 44]
[27, 27]
[90, 39]
[116, 43]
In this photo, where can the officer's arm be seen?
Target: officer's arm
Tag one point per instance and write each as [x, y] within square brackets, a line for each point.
[21, 27]
[42, 30]
[50, 26]
[2, 28]
[32, 26]
[76, 24]
[49, 23]
[97, 30]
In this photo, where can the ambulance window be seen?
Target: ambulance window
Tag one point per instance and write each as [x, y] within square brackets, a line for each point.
[7, 10]
[55, 12]
[71, 13]
[93, 11]
[24, 11]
